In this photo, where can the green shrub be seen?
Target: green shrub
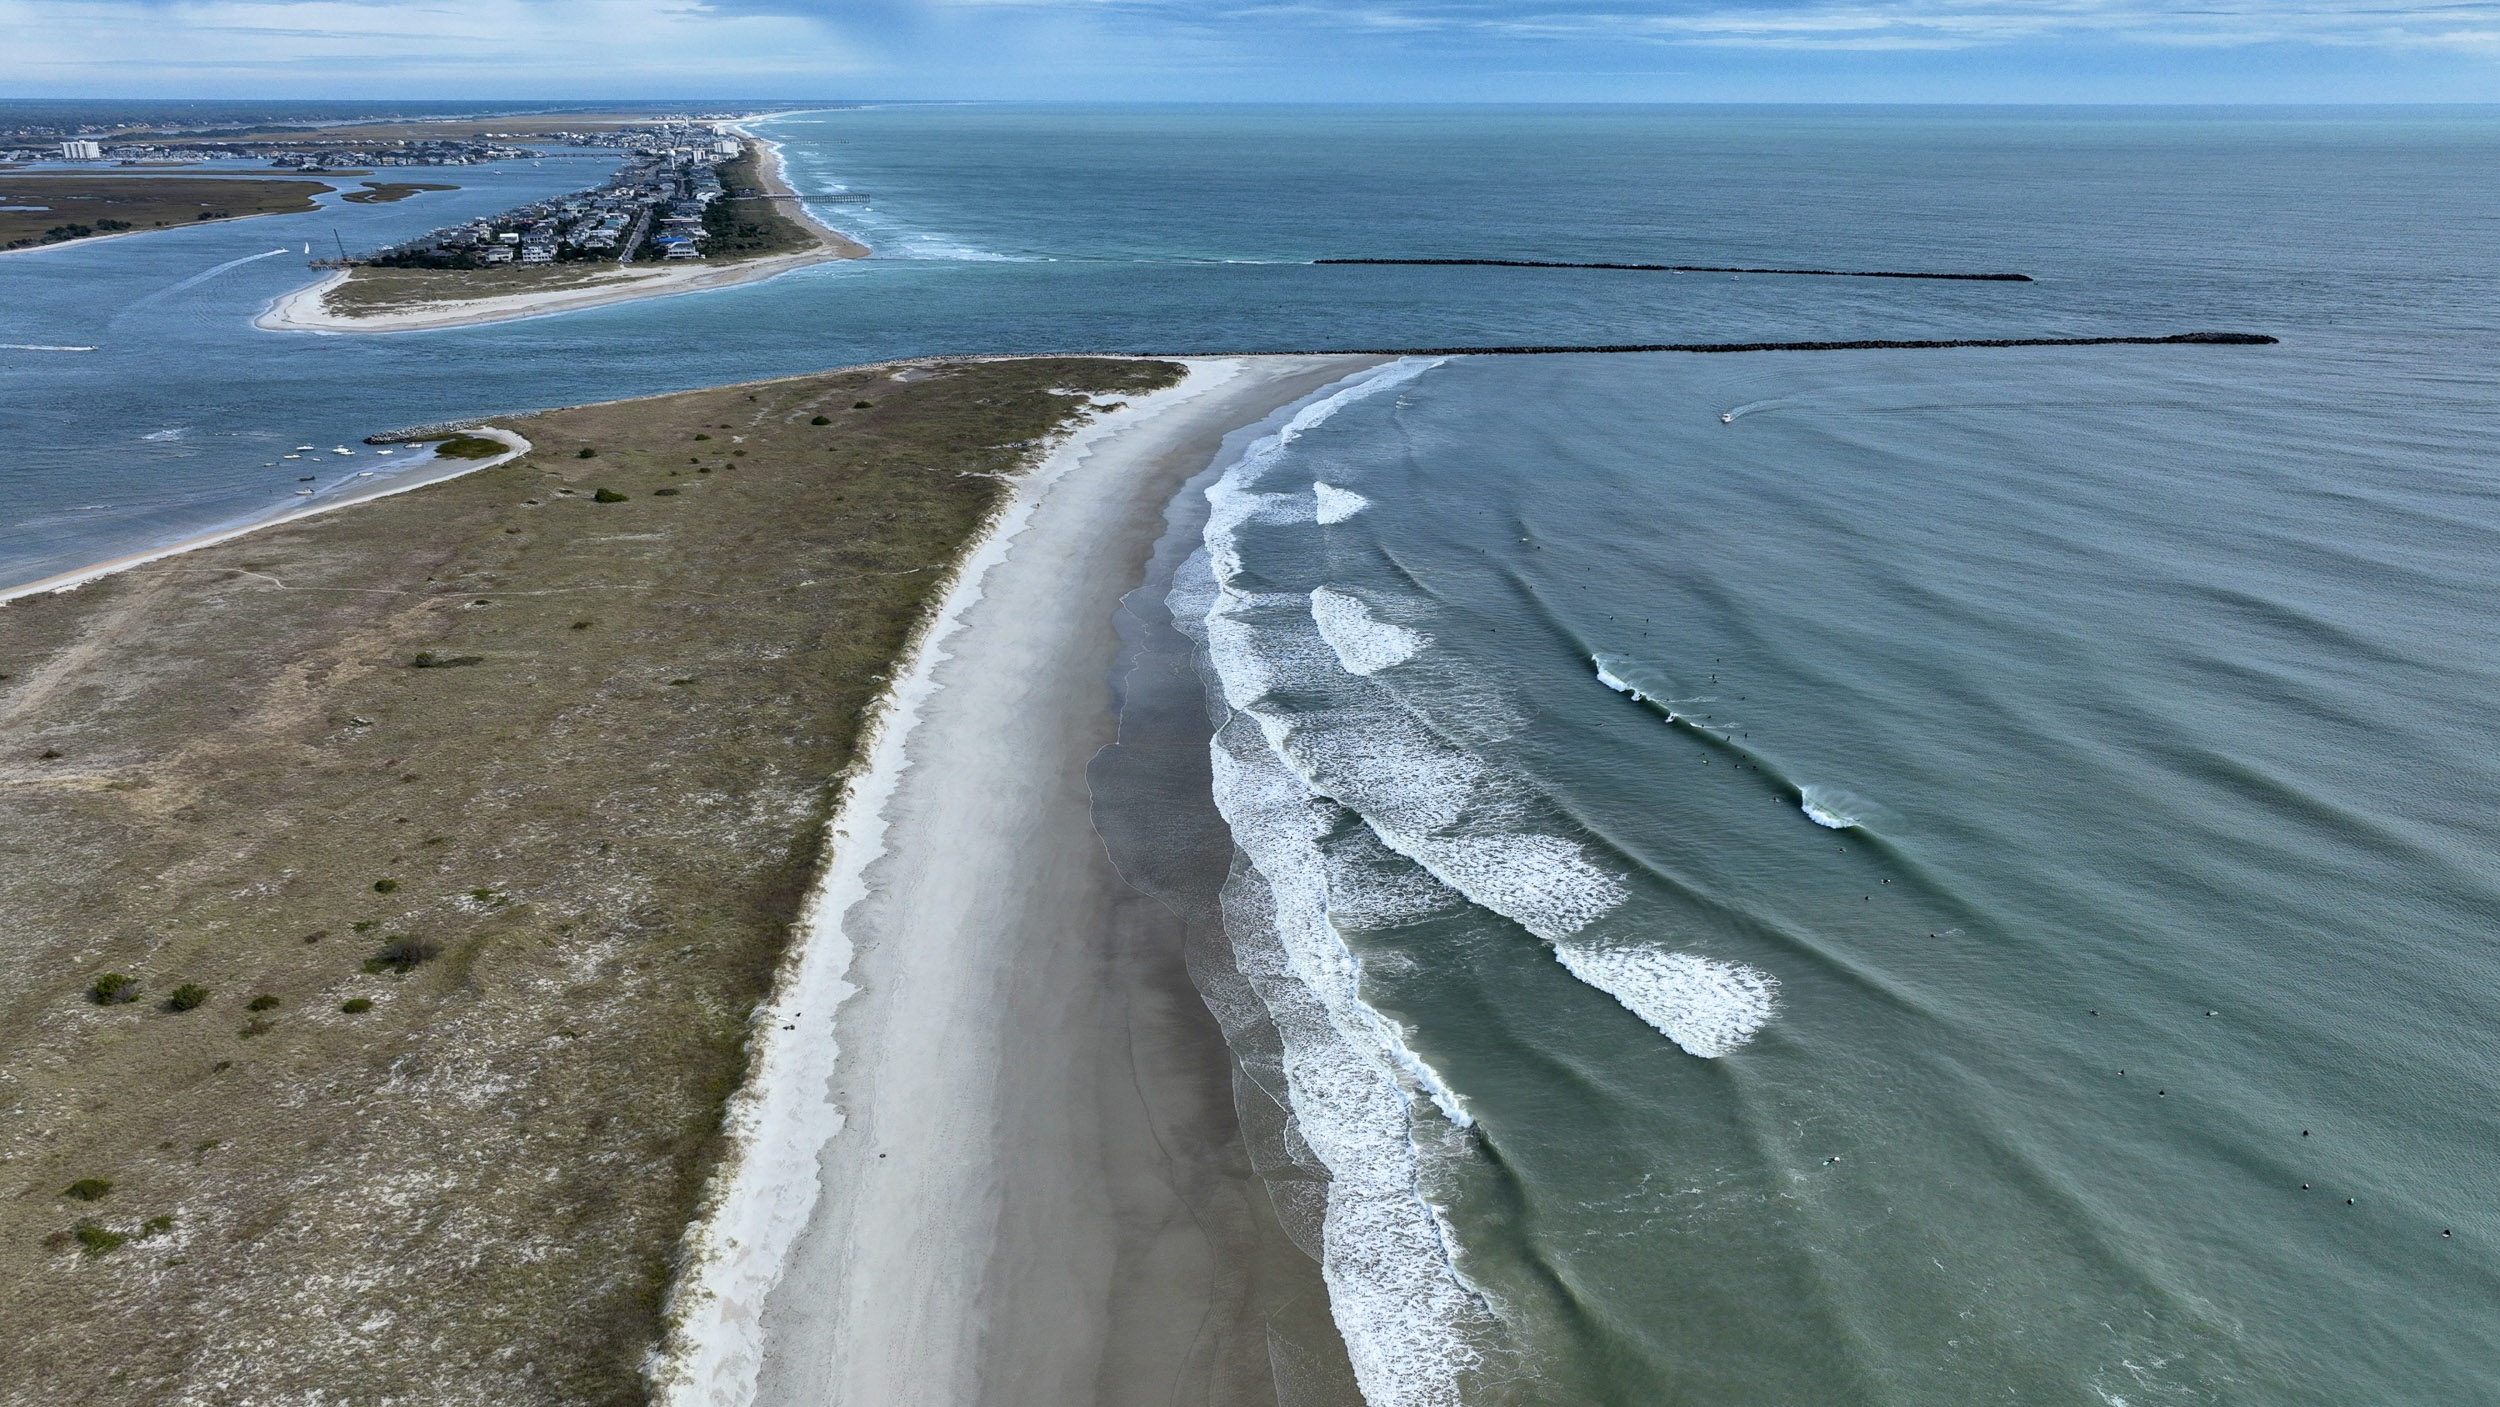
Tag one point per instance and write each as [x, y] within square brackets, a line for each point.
[664, 493]
[822, 420]
[89, 1189]
[427, 659]
[703, 437]
[863, 405]
[96, 1240]
[156, 1226]
[186, 997]
[607, 496]
[403, 955]
[385, 886]
[257, 1026]
[356, 1006]
[581, 625]
[263, 1002]
[469, 447]
[585, 452]
[112, 989]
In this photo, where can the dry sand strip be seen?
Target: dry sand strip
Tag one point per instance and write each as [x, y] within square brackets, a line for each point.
[979, 1110]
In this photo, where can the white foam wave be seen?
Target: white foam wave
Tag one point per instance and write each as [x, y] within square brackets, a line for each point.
[1408, 1318]
[1831, 807]
[1364, 643]
[1336, 504]
[1708, 1007]
[1355, 813]
[40, 347]
[163, 435]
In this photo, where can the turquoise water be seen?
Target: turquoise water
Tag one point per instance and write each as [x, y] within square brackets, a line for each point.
[2129, 684]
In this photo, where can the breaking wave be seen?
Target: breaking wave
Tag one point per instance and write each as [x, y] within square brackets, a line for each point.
[1708, 1007]
[1336, 504]
[1364, 643]
[1832, 807]
[1355, 812]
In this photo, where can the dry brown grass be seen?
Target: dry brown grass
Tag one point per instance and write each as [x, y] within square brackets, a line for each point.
[370, 290]
[561, 873]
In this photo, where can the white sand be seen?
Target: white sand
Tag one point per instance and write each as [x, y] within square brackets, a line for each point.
[981, 1156]
[416, 476]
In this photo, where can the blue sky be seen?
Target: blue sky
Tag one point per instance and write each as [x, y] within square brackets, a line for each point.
[1294, 50]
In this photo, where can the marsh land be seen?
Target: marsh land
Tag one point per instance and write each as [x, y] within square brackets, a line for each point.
[50, 207]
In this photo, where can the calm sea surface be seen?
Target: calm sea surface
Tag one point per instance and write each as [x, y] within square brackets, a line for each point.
[1721, 825]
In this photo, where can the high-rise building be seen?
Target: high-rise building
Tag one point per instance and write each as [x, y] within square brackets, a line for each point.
[82, 151]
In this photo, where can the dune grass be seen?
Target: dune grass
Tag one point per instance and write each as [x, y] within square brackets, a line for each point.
[501, 927]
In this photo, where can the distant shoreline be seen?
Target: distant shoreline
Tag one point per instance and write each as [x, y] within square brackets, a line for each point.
[305, 309]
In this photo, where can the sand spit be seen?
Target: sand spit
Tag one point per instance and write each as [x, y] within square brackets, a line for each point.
[307, 309]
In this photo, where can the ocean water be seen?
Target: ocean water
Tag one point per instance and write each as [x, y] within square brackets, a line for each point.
[1713, 830]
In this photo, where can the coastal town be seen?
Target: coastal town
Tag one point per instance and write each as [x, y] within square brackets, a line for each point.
[659, 205]
[302, 146]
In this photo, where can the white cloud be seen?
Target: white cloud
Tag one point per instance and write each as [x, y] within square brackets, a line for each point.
[549, 47]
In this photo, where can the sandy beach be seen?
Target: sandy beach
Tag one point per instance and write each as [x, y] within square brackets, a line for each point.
[307, 309]
[987, 1153]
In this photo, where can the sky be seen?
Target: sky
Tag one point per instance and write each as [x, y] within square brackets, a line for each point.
[1986, 51]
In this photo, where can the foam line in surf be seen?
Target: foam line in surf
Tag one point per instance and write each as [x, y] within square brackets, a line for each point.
[1365, 644]
[1708, 1007]
[1336, 504]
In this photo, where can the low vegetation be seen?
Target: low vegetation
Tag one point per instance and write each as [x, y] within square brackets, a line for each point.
[458, 1170]
[468, 447]
[385, 192]
[371, 290]
[64, 205]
